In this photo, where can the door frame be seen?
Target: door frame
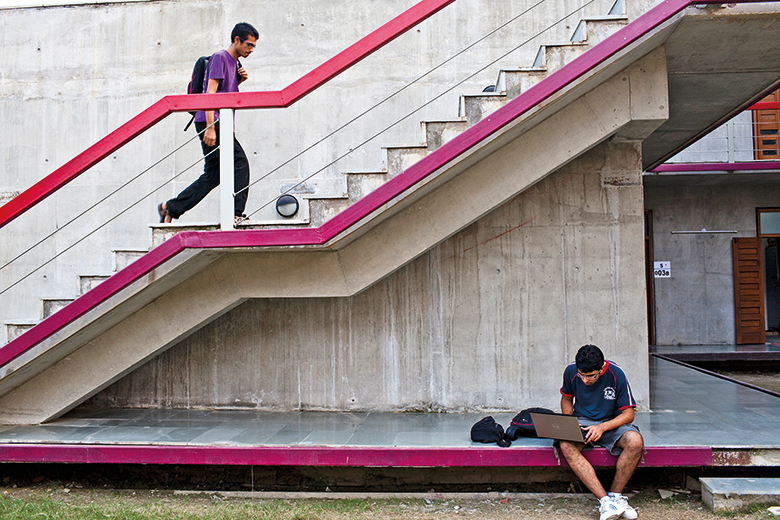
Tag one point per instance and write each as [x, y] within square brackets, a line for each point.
[649, 277]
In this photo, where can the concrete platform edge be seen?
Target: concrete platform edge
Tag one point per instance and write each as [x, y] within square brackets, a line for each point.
[727, 494]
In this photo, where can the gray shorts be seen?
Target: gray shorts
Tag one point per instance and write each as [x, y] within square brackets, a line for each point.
[610, 437]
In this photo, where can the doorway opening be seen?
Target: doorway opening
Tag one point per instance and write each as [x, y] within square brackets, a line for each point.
[768, 227]
[649, 277]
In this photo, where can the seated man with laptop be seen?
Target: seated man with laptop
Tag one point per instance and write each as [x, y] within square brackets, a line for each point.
[597, 392]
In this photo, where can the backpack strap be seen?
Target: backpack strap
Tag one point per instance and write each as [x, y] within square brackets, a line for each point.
[188, 124]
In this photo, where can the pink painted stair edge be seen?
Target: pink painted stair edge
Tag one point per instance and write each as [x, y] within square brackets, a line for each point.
[473, 456]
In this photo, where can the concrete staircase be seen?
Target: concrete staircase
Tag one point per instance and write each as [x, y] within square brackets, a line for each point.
[147, 317]
[317, 209]
[84, 282]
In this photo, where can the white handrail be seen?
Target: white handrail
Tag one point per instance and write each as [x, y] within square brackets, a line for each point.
[226, 168]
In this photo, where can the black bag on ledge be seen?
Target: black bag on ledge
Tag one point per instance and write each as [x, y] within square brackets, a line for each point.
[487, 430]
[522, 425]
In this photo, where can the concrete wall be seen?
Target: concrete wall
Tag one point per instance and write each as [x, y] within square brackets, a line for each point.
[696, 305]
[485, 320]
[70, 75]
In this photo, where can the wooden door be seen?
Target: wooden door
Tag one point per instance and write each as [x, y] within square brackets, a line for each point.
[748, 290]
[766, 125]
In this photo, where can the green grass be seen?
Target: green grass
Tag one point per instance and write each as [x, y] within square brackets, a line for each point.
[121, 508]
[752, 511]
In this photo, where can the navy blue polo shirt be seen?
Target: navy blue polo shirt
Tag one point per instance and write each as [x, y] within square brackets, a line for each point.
[602, 400]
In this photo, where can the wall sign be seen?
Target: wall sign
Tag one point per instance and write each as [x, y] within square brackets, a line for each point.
[662, 269]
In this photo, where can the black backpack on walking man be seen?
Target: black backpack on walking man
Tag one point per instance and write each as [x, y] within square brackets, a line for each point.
[195, 85]
[196, 82]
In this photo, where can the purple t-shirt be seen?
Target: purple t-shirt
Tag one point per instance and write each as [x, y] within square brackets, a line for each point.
[223, 67]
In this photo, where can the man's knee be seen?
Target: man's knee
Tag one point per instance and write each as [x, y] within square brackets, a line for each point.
[570, 448]
[631, 441]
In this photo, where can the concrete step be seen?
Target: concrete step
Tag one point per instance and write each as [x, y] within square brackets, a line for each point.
[589, 32]
[51, 305]
[595, 30]
[514, 82]
[275, 224]
[126, 256]
[360, 184]
[162, 232]
[399, 158]
[122, 258]
[728, 494]
[475, 107]
[14, 329]
[87, 282]
[313, 186]
[553, 56]
[323, 209]
[436, 133]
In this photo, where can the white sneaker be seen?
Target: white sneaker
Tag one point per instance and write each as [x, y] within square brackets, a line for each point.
[610, 509]
[629, 512]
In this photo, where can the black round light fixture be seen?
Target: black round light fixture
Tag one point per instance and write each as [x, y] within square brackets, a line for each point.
[287, 206]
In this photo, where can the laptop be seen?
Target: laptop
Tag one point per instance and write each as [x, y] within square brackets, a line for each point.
[558, 426]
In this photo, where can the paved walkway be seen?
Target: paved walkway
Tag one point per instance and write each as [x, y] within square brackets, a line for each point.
[689, 408]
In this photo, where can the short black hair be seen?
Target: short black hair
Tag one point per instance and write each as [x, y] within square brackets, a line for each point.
[589, 358]
[243, 30]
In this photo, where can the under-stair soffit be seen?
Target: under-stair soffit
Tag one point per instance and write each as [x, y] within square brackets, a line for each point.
[718, 60]
[106, 315]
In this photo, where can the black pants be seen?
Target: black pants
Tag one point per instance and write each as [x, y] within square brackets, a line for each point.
[196, 191]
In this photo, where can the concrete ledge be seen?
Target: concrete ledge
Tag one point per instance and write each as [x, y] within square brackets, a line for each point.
[724, 494]
[472, 456]
[755, 456]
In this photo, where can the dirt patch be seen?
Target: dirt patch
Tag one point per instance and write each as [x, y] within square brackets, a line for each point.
[767, 380]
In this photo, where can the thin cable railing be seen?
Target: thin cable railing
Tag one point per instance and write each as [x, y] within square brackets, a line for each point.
[742, 139]
[375, 135]
[424, 105]
[407, 86]
[107, 221]
[228, 101]
[150, 117]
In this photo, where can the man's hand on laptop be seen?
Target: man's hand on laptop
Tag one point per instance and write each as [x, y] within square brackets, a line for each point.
[594, 432]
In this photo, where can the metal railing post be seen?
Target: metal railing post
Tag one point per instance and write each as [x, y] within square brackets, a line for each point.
[730, 139]
[226, 184]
